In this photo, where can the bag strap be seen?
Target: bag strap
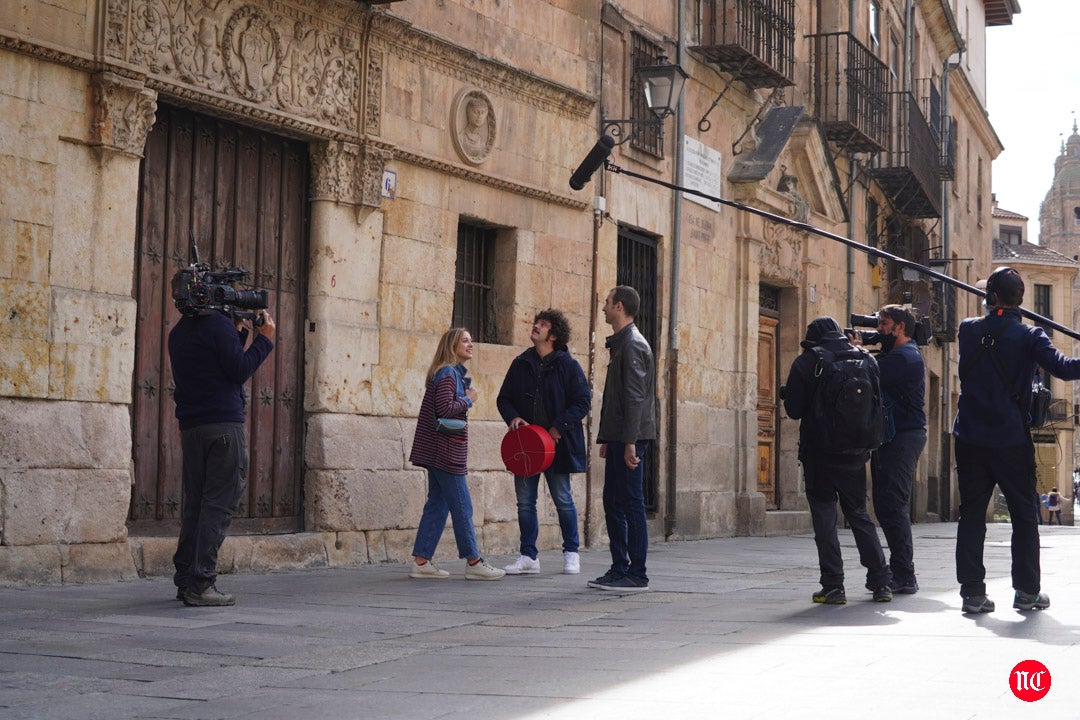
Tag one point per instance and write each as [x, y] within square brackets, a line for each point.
[989, 343]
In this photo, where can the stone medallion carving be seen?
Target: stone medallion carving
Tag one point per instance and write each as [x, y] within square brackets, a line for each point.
[472, 125]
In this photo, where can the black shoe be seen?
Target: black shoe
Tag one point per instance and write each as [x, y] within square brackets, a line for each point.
[904, 587]
[210, 597]
[977, 604]
[830, 596]
[180, 593]
[626, 583]
[883, 594]
[607, 577]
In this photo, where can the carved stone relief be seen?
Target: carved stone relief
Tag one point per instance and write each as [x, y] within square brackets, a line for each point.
[348, 173]
[123, 113]
[472, 125]
[282, 57]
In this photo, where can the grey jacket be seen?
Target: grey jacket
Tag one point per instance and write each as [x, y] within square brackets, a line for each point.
[628, 413]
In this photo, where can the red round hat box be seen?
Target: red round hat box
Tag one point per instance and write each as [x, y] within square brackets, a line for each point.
[528, 450]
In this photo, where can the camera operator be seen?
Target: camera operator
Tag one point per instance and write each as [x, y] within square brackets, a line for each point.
[892, 466]
[998, 355]
[210, 367]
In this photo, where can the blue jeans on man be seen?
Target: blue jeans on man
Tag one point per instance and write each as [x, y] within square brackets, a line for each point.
[624, 511]
[892, 467]
[527, 490]
[448, 494]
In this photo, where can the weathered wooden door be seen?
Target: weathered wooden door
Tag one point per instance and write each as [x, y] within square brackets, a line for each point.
[242, 195]
[767, 410]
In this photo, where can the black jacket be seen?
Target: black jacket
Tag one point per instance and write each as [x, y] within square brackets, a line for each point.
[553, 391]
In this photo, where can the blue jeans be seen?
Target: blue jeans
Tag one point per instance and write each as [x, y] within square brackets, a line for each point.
[448, 494]
[624, 511]
[893, 468]
[527, 489]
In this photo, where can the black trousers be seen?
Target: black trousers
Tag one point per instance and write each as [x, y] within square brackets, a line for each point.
[214, 477]
[1012, 469]
[892, 467]
[836, 478]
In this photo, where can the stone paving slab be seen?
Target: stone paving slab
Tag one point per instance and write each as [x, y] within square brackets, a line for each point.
[727, 631]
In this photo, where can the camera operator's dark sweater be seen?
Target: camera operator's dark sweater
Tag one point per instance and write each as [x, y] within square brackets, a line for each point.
[210, 367]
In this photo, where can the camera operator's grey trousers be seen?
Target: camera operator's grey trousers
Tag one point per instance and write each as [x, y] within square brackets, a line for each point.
[214, 477]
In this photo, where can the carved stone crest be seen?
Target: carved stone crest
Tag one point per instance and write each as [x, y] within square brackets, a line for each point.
[472, 125]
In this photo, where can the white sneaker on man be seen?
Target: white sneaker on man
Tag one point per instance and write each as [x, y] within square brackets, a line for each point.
[427, 571]
[571, 563]
[524, 565]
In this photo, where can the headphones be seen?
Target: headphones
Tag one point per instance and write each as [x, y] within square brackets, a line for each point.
[995, 279]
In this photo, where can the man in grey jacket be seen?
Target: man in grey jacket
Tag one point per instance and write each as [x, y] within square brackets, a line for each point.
[627, 426]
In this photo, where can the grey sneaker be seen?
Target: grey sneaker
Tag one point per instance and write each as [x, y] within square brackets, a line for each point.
[1031, 601]
[883, 594]
[977, 604]
[483, 570]
[210, 597]
[427, 571]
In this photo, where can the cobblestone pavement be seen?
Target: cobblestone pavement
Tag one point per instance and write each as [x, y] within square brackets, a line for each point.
[728, 630]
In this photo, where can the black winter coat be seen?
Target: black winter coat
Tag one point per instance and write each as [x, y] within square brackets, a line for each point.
[560, 384]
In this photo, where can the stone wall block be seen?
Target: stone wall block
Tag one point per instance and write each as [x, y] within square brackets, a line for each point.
[25, 565]
[24, 368]
[98, 562]
[346, 548]
[352, 442]
[24, 254]
[294, 551]
[38, 434]
[355, 500]
[153, 555]
[93, 351]
[43, 506]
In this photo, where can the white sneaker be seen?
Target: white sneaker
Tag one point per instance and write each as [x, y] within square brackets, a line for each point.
[427, 570]
[482, 571]
[571, 563]
[524, 565]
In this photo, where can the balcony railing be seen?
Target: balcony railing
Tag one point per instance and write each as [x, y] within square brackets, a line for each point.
[908, 172]
[851, 89]
[947, 164]
[754, 40]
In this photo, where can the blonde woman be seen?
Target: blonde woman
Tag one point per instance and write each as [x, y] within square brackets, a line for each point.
[444, 455]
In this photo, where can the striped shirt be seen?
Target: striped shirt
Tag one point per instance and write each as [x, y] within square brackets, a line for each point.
[431, 448]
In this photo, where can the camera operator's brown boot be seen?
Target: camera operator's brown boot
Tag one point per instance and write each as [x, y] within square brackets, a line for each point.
[210, 597]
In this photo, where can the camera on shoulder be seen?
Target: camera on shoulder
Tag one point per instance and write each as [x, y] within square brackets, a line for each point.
[197, 289]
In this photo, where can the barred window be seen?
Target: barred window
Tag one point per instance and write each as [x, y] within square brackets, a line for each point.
[648, 138]
[1042, 305]
[474, 281]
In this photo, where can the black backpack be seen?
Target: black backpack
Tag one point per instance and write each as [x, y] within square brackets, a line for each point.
[845, 410]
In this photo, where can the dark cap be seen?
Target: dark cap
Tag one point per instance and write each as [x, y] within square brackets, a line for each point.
[821, 329]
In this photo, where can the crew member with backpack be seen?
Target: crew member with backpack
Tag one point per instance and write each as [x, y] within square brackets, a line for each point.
[834, 389]
[998, 355]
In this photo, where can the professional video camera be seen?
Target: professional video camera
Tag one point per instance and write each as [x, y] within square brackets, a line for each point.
[921, 333]
[197, 289]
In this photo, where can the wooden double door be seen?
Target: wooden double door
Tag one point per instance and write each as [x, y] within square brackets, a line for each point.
[241, 195]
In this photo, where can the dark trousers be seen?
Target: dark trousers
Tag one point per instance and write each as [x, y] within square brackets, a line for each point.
[892, 466]
[624, 511]
[214, 477]
[831, 479]
[1012, 469]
